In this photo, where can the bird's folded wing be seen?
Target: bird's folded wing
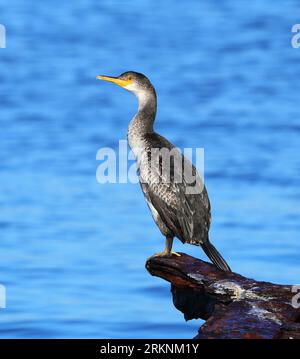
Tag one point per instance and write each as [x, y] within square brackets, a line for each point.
[180, 197]
[188, 216]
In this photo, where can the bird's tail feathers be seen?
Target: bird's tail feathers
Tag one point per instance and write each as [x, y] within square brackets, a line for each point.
[215, 256]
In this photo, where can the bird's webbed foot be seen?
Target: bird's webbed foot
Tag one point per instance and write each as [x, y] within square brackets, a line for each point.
[168, 250]
[166, 254]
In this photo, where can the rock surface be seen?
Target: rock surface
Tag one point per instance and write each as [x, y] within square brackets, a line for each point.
[232, 305]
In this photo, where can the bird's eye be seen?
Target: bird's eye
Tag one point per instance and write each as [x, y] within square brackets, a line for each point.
[129, 78]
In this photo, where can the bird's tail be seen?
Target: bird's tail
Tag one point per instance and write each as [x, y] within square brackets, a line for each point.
[215, 256]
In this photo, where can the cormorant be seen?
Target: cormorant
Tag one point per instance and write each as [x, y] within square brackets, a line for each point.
[178, 201]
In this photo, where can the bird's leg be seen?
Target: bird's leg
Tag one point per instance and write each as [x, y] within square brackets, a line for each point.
[168, 250]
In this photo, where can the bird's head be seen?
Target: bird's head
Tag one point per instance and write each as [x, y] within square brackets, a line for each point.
[131, 81]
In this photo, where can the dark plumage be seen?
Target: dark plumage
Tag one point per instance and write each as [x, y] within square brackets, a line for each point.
[176, 211]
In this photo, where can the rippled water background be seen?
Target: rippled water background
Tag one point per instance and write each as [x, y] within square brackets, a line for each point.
[72, 251]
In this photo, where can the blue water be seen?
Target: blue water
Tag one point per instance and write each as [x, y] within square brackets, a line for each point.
[72, 251]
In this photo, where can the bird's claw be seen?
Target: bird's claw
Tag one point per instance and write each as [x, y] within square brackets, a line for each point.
[166, 254]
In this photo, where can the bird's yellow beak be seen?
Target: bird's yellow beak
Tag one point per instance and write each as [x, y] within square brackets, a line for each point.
[115, 80]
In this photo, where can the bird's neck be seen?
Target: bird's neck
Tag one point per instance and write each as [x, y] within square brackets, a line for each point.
[142, 122]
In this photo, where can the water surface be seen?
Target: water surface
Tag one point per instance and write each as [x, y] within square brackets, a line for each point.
[72, 250]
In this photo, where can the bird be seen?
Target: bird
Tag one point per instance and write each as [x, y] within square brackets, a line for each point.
[178, 202]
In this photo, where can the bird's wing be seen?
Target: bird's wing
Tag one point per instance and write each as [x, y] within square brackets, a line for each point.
[167, 212]
[186, 214]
